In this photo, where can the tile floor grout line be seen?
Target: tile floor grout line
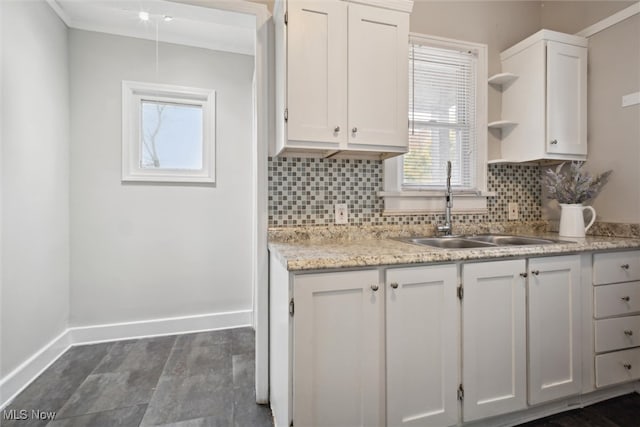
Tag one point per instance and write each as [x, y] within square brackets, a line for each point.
[110, 347]
[164, 367]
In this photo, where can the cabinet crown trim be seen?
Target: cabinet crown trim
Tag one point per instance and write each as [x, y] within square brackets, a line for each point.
[544, 35]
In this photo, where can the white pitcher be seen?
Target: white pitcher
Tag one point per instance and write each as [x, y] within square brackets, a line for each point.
[572, 220]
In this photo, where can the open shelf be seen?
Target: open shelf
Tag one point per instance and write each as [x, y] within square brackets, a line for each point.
[502, 78]
[501, 124]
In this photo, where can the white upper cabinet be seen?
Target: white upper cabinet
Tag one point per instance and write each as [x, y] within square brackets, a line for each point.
[317, 66]
[546, 102]
[342, 78]
[566, 99]
[378, 82]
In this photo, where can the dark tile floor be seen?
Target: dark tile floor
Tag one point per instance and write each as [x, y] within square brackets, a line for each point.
[622, 411]
[193, 380]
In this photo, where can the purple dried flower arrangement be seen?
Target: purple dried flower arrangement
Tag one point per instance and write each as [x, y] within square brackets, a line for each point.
[573, 186]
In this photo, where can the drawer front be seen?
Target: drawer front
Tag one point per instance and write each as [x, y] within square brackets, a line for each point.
[618, 333]
[618, 299]
[617, 367]
[616, 267]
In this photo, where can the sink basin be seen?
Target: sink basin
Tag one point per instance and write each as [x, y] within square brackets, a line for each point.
[512, 240]
[451, 242]
[481, 241]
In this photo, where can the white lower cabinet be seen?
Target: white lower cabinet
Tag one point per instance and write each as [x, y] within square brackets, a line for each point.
[616, 317]
[422, 346]
[493, 339]
[338, 345]
[399, 347]
[554, 327]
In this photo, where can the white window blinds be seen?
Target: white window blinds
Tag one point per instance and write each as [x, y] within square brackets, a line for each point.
[442, 114]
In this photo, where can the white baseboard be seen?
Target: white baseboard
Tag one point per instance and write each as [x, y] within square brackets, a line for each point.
[14, 382]
[157, 327]
[18, 379]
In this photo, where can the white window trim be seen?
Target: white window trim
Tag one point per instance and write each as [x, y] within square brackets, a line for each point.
[417, 202]
[132, 94]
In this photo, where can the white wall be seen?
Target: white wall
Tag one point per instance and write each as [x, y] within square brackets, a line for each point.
[614, 131]
[35, 181]
[151, 251]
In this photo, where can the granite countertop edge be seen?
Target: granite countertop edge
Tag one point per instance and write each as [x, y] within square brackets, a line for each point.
[334, 254]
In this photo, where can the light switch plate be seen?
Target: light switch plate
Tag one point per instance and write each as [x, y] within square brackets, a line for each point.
[341, 213]
[513, 211]
[631, 99]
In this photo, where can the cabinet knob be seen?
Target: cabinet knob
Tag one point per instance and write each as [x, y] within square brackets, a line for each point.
[624, 266]
[524, 275]
[354, 130]
[535, 272]
[626, 299]
[628, 332]
[627, 366]
[336, 129]
[554, 142]
[394, 285]
[374, 287]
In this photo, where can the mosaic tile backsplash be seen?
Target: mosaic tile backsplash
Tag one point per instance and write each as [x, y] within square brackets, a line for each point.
[303, 191]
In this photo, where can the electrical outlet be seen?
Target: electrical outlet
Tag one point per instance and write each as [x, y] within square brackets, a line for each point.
[341, 213]
[513, 211]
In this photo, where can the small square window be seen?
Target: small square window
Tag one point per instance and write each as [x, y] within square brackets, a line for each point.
[168, 133]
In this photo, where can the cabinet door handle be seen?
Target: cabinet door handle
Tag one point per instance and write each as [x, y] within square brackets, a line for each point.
[523, 275]
[554, 142]
[627, 366]
[336, 129]
[374, 287]
[535, 272]
[354, 130]
[628, 332]
[626, 299]
[624, 266]
[394, 285]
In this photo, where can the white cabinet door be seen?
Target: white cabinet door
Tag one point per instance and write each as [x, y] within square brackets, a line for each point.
[493, 339]
[378, 70]
[422, 346]
[566, 99]
[554, 328]
[317, 71]
[338, 349]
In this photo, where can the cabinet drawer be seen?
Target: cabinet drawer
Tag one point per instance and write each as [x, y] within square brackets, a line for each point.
[616, 267]
[618, 299]
[617, 367]
[618, 333]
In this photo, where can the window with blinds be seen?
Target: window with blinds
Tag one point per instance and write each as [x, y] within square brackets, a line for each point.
[442, 114]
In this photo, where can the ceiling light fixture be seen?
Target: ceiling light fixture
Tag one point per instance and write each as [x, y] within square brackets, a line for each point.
[167, 18]
[144, 16]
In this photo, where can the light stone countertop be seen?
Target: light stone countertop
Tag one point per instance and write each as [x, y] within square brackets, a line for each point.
[372, 252]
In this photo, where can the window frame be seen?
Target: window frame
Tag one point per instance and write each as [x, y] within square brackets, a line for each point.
[418, 201]
[133, 93]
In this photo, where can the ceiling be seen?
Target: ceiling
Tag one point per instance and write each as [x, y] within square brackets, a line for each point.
[191, 25]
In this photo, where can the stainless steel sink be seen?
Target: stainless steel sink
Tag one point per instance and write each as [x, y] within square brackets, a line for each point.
[451, 242]
[479, 241]
[501, 240]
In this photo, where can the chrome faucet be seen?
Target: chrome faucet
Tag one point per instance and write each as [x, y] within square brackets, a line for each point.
[446, 228]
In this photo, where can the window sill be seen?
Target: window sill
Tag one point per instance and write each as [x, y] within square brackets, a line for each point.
[429, 202]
